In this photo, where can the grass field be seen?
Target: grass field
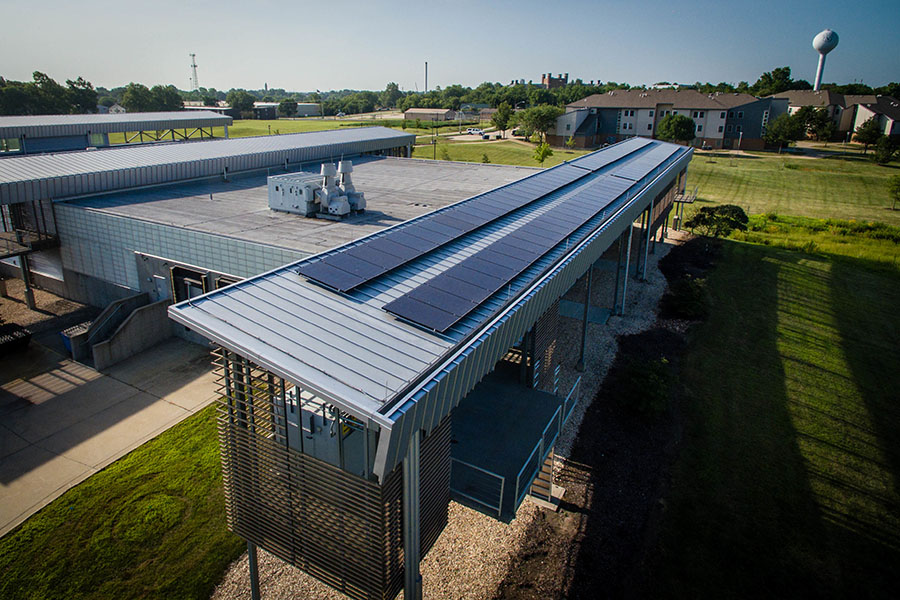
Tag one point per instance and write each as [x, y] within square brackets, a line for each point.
[505, 153]
[786, 485]
[151, 525]
[840, 188]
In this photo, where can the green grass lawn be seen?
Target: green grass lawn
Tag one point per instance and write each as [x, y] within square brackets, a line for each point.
[841, 188]
[505, 153]
[151, 525]
[787, 480]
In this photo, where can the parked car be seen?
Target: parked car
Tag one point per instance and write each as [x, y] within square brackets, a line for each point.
[474, 131]
[341, 114]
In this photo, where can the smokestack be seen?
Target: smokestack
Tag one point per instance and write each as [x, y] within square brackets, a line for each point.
[426, 76]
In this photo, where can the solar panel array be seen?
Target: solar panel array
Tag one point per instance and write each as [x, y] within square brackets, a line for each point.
[344, 270]
[442, 301]
[597, 160]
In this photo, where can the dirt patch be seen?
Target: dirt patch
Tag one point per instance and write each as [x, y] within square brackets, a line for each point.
[51, 312]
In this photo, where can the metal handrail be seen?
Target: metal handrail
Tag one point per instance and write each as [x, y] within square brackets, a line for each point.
[539, 447]
[99, 326]
[502, 479]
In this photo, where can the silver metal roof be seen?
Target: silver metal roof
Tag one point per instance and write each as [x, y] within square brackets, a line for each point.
[348, 350]
[39, 126]
[396, 189]
[56, 176]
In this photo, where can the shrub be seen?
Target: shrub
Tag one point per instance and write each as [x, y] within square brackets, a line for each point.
[645, 385]
[719, 220]
[485, 159]
[687, 298]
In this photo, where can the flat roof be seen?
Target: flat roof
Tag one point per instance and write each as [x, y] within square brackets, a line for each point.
[396, 190]
[65, 125]
[57, 176]
[346, 348]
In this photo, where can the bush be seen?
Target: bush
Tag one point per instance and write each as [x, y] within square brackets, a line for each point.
[885, 149]
[645, 386]
[687, 298]
[718, 221]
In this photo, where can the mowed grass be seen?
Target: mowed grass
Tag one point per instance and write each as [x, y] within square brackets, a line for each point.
[840, 188]
[503, 153]
[787, 480]
[151, 525]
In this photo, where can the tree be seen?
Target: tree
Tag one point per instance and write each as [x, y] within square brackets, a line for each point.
[540, 119]
[501, 118]
[821, 125]
[784, 130]
[894, 190]
[868, 133]
[678, 128]
[82, 96]
[484, 158]
[288, 108]
[210, 101]
[570, 143]
[137, 98]
[773, 82]
[240, 100]
[542, 153]
[885, 149]
[391, 94]
[165, 98]
[718, 221]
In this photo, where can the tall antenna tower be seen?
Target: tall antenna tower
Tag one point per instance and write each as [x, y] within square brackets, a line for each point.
[195, 84]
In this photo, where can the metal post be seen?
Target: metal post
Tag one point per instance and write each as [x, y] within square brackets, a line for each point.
[615, 306]
[254, 571]
[637, 264]
[627, 261]
[412, 587]
[584, 321]
[647, 245]
[226, 132]
[26, 277]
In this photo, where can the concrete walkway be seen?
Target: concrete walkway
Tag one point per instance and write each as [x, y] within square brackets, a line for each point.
[61, 421]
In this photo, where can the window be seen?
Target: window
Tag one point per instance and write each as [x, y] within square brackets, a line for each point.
[737, 127]
[730, 114]
[696, 114]
[568, 126]
[728, 128]
[701, 114]
[722, 115]
[649, 126]
[651, 113]
[720, 129]
[740, 114]
[699, 128]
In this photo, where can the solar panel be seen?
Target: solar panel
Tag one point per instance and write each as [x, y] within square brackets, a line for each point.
[403, 244]
[489, 270]
[642, 165]
[597, 160]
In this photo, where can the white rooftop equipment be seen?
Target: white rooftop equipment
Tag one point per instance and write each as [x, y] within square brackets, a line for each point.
[824, 42]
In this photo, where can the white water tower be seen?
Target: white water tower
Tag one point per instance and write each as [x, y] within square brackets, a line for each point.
[824, 43]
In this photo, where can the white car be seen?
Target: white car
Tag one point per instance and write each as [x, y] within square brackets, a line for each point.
[474, 131]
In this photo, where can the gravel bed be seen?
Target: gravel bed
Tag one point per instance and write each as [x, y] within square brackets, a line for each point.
[474, 552]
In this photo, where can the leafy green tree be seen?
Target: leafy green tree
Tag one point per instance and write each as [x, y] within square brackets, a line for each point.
[240, 100]
[822, 126]
[288, 108]
[773, 82]
[82, 96]
[485, 159]
[676, 128]
[391, 94]
[165, 98]
[570, 143]
[540, 119]
[542, 153]
[501, 118]
[137, 98]
[784, 130]
[868, 133]
[885, 149]
[210, 101]
[718, 221]
[894, 190]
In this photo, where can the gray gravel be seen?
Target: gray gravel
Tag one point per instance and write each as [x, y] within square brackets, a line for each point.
[474, 552]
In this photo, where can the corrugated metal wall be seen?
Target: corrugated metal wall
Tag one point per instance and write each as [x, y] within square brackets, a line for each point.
[81, 125]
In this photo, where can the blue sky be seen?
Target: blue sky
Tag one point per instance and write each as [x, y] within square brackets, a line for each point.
[363, 45]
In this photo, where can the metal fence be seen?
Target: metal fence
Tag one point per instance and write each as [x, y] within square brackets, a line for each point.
[477, 485]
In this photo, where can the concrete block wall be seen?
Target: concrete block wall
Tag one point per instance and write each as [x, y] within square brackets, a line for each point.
[145, 327]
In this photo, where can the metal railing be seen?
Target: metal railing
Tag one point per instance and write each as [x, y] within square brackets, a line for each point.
[477, 481]
[545, 444]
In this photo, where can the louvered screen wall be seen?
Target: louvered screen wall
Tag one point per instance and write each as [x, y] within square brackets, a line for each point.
[340, 528]
[545, 346]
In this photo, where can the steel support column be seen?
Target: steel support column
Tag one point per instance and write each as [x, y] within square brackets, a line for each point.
[647, 245]
[254, 571]
[619, 250]
[412, 551]
[627, 264]
[637, 263]
[584, 321]
[26, 278]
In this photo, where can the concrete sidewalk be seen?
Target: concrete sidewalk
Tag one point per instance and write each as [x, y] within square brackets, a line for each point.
[61, 421]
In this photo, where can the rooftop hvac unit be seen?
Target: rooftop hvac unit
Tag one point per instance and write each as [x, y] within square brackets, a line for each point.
[317, 195]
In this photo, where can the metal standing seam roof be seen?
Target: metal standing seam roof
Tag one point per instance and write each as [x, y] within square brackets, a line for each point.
[39, 126]
[348, 350]
[55, 176]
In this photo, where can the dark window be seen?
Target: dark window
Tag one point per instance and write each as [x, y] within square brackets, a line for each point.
[720, 129]
[651, 113]
[740, 114]
[737, 127]
[730, 114]
[701, 114]
[187, 283]
[699, 128]
[722, 115]
[728, 128]
[649, 126]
